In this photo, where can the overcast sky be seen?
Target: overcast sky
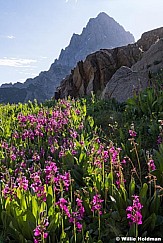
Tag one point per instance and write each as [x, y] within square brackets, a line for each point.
[33, 32]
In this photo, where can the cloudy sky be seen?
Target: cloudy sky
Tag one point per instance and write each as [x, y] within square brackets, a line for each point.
[32, 32]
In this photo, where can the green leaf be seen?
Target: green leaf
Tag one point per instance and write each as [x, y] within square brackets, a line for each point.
[149, 223]
[13, 233]
[68, 161]
[115, 215]
[143, 193]
[7, 204]
[157, 173]
[54, 223]
[159, 220]
[63, 236]
[123, 193]
[131, 187]
[155, 203]
[77, 177]
[35, 208]
[132, 230]
[43, 207]
[31, 219]
[6, 219]
[27, 232]
[23, 202]
[51, 211]
[82, 157]
[19, 194]
[49, 201]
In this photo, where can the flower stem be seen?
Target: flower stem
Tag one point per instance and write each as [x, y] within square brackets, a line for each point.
[99, 226]
[138, 161]
[136, 232]
[74, 232]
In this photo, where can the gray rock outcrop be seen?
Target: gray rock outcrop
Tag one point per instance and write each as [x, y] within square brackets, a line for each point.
[152, 59]
[124, 84]
[127, 81]
[95, 72]
[149, 38]
[102, 71]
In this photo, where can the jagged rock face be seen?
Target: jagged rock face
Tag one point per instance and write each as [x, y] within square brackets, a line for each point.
[126, 80]
[152, 59]
[100, 32]
[149, 38]
[94, 73]
[97, 70]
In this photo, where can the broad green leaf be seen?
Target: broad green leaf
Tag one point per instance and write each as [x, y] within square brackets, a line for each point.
[150, 222]
[143, 193]
[35, 208]
[55, 222]
[132, 187]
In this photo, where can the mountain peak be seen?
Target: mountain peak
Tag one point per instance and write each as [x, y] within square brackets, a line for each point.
[103, 15]
[101, 32]
[102, 18]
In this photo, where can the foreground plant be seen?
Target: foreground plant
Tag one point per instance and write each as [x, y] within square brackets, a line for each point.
[134, 214]
[40, 233]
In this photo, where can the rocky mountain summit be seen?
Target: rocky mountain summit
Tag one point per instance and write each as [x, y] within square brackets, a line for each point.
[117, 72]
[100, 32]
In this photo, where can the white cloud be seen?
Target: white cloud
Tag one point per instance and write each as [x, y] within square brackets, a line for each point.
[16, 62]
[8, 37]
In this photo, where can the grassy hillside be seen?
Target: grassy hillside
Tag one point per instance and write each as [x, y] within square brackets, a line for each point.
[82, 170]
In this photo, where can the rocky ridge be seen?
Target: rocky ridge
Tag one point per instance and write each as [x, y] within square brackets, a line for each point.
[100, 32]
[117, 72]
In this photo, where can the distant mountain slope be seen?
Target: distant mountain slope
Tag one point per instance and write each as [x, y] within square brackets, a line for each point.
[100, 32]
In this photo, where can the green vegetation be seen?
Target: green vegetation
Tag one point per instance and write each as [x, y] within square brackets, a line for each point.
[82, 170]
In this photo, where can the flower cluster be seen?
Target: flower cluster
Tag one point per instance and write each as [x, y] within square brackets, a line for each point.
[37, 186]
[151, 165]
[114, 155]
[134, 211]
[63, 204]
[74, 217]
[98, 152]
[22, 183]
[50, 171]
[77, 216]
[132, 133]
[10, 189]
[117, 165]
[97, 204]
[40, 231]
